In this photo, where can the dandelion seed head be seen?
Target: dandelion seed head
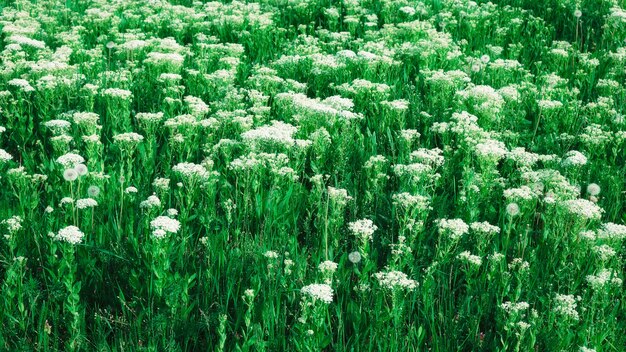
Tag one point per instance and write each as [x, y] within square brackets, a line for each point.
[593, 189]
[70, 175]
[354, 257]
[81, 169]
[512, 209]
[93, 191]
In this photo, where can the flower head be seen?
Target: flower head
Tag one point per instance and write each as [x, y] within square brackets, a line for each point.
[164, 224]
[70, 234]
[319, 292]
[70, 175]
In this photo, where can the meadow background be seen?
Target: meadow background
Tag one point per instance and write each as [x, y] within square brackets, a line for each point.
[284, 175]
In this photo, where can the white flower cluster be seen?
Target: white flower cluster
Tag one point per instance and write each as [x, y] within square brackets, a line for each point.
[362, 86]
[152, 202]
[117, 93]
[574, 158]
[278, 132]
[149, 117]
[491, 150]
[484, 98]
[13, 224]
[594, 136]
[21, 84]
[305, 107]
[407, 200]
[416, 171]
[162, 225]
[612, 231]
[448, 79]
[565, 305]
[586, 349]
[191, 171]
[270, 255]
[409, 135]
[133, 45]
[86, 203]
[319, 292]
[452, 228]
[552, 183]
[431, 157]
[196, 105]
[338, 195]
[603, 278]
[4, 156]
[522, 157]
[70, 160]
[159, 59]
[130, 138]
[549, 105]
[521, 193]
[58, 126]
[399, 105]
[484, 228]
[514, 307]
[519, 264]
[470, 259]
[604, 252]
[583, 208]
[70, 234]
[327, 269]
[272, 161]
[395, 280]
[363, 229]
[85, 118]
[161, 183]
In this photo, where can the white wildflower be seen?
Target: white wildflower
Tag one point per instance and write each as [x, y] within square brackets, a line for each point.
[393, 280]
[469, 258]
[166, 224]
[86, 203]
[319, 292]
[452, 228]
[363, 229]
[565, 305]
[70, 234]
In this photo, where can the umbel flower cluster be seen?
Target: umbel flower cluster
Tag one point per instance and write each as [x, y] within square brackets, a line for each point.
[312, 175]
